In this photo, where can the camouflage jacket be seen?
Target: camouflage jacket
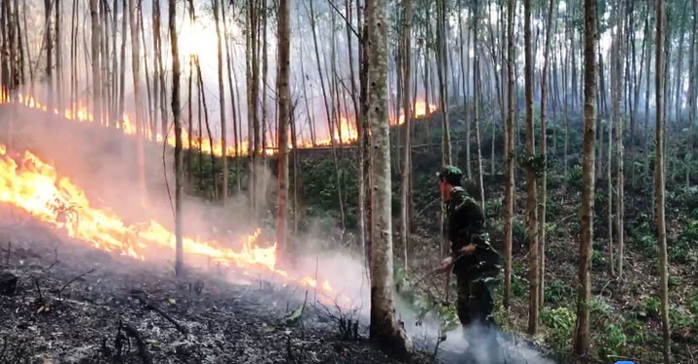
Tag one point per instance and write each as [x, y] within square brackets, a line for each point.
[465, 224]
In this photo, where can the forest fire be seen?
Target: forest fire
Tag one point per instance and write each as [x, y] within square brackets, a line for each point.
[34, 186]
[344, 132]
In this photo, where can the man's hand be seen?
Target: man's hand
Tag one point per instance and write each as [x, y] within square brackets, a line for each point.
[468, 249]
[445, 264]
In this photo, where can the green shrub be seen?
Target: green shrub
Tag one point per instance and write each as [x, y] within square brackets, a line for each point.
[560, 322]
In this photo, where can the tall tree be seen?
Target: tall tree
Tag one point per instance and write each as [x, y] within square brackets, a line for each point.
[543, 148]
[172, 11]
[659, 180]
[531, 200]
[95, 51]
[221, 99]
[284, 113]
[138, 116]
[510, 152]
[407, 114]
[617, 72]
[384, 327]
[442, 67]
[586, 226]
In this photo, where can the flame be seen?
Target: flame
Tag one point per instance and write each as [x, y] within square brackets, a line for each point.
[34, 186]
[345, 132]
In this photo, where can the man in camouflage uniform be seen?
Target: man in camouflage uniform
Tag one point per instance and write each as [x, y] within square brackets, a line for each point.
[473, 260]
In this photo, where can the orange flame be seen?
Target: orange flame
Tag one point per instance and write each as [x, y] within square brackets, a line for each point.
[34, 186]
[345, 132]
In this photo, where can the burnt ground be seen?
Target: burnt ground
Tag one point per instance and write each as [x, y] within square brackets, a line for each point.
[75, 304]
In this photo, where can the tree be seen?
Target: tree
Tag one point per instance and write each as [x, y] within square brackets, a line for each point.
[659, 180]
[172, 11]
[221, 99]
[531, 201]
[138, 117]
[407, 112]
[284, 108]
[442, 67]
[586, 226]
[510, 152]
[96, 72]
[543, 148]
[384, 327]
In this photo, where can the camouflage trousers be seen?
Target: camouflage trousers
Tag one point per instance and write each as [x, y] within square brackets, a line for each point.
[475, 301]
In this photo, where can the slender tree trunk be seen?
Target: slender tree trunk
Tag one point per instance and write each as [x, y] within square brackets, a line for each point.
[443, 87]
[659, 181]
[407, 130]
[122, 62]
[284, 101]
[384, 327]
[96, 72]
[222, 106]
[476, 101]
[179, 264]
[544, 151]
[138, 117]
[586, 234]
[236, 116]
[531, 201]
[510, 148]
[620, 173]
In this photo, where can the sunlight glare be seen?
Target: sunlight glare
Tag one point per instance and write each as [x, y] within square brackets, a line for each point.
[198, 39]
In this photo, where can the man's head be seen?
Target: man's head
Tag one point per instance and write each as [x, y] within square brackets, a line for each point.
[449, 177]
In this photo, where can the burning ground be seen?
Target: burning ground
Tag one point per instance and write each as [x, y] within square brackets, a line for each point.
[72, 304]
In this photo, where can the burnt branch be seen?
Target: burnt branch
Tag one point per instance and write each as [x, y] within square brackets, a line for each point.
[73, 280]
[148, 305]
[143, 352]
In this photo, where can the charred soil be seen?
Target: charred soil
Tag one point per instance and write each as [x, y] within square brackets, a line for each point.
[74, 304]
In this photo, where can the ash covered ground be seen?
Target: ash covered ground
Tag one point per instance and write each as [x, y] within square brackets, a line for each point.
[75, 304]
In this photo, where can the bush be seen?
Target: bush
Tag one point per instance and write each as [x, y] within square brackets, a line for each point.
[560, 322]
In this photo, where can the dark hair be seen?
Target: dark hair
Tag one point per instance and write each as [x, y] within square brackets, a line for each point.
[452, 175]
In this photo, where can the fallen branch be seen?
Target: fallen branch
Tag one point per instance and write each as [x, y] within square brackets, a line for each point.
[153, 307]
[73, 280]
[142, 348]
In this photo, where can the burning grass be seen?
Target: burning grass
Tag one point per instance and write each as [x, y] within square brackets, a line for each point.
[34, 186]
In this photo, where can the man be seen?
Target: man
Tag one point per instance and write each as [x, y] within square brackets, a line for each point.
[473, 260]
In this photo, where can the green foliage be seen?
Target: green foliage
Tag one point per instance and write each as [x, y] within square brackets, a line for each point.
[651, 306]
[558, 292]
[575, 178]
[560, 322]
[610, 341]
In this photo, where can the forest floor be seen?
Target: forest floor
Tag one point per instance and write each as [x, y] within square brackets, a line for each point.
[75, 304]
[64, 302]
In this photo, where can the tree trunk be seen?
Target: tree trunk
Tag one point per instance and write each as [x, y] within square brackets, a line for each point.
[544, 152]
[407, 129]
[137, 117]
[586, 234]
[284, 101]
[620, 173]
[96, 72]
[222, 106]
[531, 210]
[510, 148]
[659, 181]
[122, 62]
[179, 264]
[476, 102]
[443, 88]
[384, 327]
